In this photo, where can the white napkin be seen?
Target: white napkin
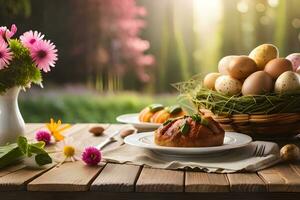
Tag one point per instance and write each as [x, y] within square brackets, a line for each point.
[236, 160]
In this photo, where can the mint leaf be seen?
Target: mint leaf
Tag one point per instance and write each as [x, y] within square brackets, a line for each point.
[34, 149]
[40, 145]
[9, 154]
[23, 144]
[43, 159]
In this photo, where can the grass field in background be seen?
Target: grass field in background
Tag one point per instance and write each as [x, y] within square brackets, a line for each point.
[84, 107]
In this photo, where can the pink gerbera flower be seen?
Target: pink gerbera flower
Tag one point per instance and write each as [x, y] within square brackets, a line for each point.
[5, 55]
[5, 33]
[44, 54]
[29, 38]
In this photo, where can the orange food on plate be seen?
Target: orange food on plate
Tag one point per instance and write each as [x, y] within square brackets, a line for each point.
[147, 113]
[167, 113]
[157, 113]
[190, 131]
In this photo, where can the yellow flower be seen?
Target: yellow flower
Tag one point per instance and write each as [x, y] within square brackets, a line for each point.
[56, 128]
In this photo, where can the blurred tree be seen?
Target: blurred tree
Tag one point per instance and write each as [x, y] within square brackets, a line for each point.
[12, 8]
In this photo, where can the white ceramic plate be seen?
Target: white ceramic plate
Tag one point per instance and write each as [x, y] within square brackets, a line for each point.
[133, 119]
[232, 140]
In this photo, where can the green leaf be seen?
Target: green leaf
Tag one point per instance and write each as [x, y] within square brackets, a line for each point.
[23, 144]
[9, 154]
[196, 118]
[43, 159]
[34, 149]
[185, 128]
[167, 122]
[39, 144]
[155, 107]
[174, 109]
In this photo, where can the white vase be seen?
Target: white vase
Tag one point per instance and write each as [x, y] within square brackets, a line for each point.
[11, 122]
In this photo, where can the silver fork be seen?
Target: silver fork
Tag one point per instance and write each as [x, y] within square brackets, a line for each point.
[259, 150]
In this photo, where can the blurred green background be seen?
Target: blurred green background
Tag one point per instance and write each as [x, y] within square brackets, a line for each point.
[118, 56]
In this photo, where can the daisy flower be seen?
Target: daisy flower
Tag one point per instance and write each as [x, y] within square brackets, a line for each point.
[29, 38]
[44, 54]
[56, 128]
[5, 33]
[66, 151]
[5, 55]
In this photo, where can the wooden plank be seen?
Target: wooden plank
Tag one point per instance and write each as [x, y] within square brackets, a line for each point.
[246, 182]
[18, 179]
[95, 195]
[158, 180]
[68, 177]
[116, 178]
[71, 176]
[282, 178]
[11, 168]
[206, 182]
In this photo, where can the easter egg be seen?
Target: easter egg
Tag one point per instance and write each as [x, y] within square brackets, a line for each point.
[258, 83]
[228, 85]
[277, 66]
[224, 64]
[295, 59]
[210, 79]
[263, 54]
[287, 82]
[240, 67]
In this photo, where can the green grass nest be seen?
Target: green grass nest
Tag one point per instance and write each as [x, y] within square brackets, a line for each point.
[227, 105]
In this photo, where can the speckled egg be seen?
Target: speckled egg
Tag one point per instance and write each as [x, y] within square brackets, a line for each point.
[210, 79]
[258, 83]
[277, 66]
[224, 64]
[263, 54]
[295, 59]
[287, 82]
[228, 85]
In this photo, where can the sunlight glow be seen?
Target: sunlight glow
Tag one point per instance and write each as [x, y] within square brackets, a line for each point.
[207, 14]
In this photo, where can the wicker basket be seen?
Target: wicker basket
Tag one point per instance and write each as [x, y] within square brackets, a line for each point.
[259, 125]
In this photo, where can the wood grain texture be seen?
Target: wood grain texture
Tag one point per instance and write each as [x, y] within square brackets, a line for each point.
[116, 178]
[11, 169]
[282, 178]
[71, 176]
[158, 180]
[246, 182]
[206, 182]
[17, 180]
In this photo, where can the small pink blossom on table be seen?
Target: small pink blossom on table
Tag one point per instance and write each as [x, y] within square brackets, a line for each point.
[44, 136]
[91, 156]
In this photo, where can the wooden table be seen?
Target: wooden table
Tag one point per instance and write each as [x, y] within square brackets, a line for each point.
[121, 181]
